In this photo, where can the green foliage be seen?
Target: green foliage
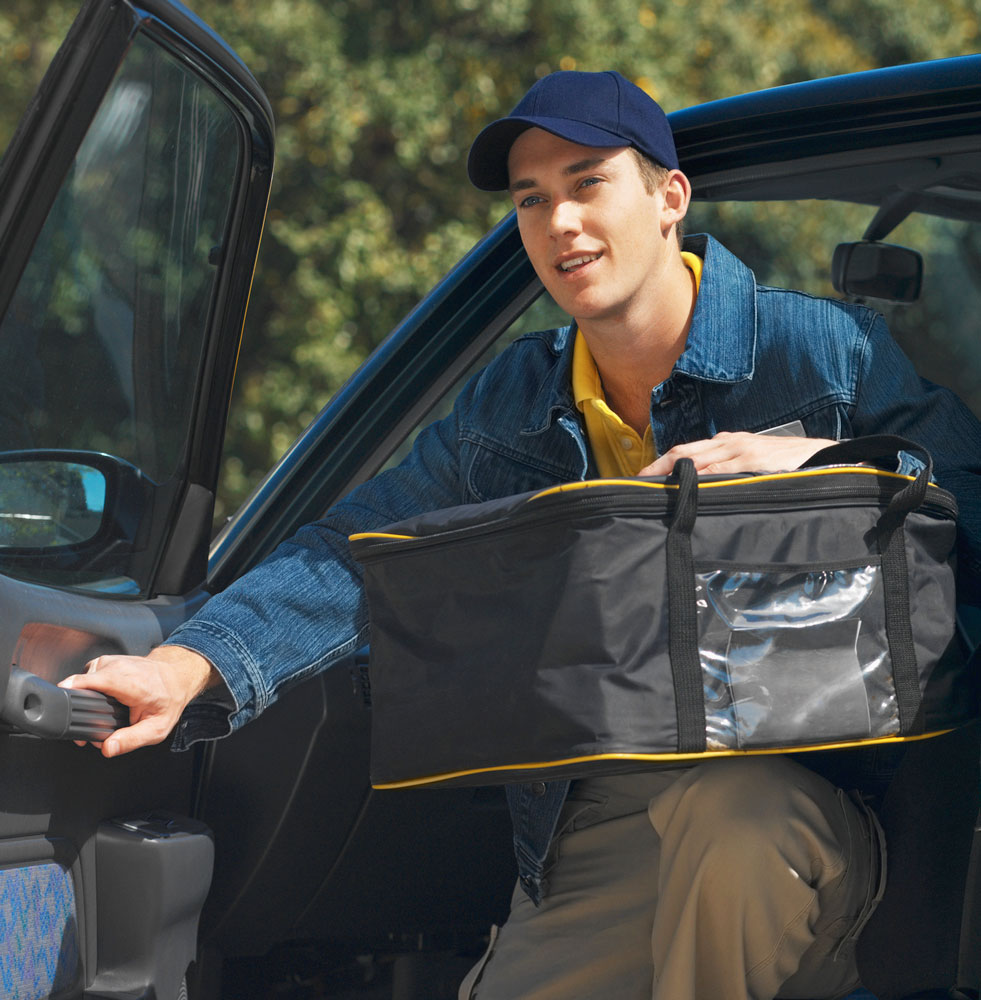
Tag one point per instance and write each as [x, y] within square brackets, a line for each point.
[377, 102]
[30, 34]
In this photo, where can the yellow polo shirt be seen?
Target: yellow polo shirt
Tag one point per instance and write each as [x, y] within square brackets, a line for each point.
[617, 448]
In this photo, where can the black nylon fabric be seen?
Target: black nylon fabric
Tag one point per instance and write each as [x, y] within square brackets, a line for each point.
[531, 637]
[686, 671]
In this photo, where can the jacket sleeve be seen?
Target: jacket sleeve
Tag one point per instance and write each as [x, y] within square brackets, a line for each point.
[303, 609]
[893, 399]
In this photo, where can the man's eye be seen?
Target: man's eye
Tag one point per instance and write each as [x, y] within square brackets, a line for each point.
[532, 199]
[589, 181]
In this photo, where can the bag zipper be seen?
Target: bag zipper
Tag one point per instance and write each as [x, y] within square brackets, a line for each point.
[557, 505]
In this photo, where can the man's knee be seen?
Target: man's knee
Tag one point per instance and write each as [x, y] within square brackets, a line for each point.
[743, 813]
[750, 790]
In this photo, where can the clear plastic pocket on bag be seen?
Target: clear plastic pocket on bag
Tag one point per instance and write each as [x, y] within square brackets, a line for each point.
[794, 655]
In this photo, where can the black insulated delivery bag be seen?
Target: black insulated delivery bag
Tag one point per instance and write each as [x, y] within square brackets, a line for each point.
[599, 626]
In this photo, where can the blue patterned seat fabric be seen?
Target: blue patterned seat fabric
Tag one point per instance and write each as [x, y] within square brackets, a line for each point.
[39, 954]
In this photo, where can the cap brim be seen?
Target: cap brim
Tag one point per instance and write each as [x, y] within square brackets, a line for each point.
[487, 163]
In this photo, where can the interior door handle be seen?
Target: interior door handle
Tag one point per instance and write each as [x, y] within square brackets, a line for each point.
[33, 705]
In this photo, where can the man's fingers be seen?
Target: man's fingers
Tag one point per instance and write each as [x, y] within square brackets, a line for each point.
[80, 682]
[740, 451]
[124, 683]
[146, 732]
[155, 688]
[702, 453]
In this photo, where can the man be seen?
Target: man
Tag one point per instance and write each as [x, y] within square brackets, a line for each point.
[740, 878]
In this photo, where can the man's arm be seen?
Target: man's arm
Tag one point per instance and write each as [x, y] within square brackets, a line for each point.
[890, 399]
[296, 613]
[893, 399]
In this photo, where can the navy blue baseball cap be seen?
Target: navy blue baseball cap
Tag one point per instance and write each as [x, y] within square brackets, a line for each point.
[592, 109]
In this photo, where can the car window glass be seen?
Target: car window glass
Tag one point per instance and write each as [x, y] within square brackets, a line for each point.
[790, 244]
[542, 314]
[101, 345]
[941, 332]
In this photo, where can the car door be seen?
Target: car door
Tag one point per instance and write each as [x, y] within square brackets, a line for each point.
[131, 204]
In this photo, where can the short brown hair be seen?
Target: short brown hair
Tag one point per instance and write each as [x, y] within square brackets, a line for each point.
[654, 174]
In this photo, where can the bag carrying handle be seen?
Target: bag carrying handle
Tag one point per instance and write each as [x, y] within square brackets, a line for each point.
[686, 668]
[892, 547]
[878, 449]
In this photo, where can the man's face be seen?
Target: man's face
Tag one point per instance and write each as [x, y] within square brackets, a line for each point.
[595, 236]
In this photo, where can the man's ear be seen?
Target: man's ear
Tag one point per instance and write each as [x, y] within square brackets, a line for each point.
[676, 194]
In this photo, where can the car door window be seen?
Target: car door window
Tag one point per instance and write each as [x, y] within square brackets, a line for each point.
[542, 314]
[791, 243]
[940, 330]
[101, 345]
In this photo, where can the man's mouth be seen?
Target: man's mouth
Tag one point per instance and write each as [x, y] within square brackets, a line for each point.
[574, 263]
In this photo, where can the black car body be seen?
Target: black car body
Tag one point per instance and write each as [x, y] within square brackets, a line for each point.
[131, 205]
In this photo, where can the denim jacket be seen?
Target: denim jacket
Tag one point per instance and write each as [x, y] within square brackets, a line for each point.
[756, 359]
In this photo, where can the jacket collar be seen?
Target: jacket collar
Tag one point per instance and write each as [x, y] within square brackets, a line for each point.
[554, 396]
[721, 343]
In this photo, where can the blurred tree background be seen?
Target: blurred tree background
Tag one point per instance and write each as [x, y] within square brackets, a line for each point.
[376, 103]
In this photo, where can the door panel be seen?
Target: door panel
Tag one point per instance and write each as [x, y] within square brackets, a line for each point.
[131, 204]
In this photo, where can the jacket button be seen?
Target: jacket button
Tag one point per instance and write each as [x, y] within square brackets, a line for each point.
[538, 788]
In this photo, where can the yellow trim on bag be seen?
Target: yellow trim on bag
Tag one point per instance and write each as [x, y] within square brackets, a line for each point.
[740, 481]
[653, 757]
[379, 534]
[831, 470]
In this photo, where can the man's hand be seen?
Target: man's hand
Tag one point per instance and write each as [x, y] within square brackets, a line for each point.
[740, 452]
[156, 688]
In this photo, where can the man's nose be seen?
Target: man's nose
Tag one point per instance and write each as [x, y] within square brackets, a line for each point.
[564, 218]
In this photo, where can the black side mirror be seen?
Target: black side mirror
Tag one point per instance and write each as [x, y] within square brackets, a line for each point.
[871, 270]
[55, 501]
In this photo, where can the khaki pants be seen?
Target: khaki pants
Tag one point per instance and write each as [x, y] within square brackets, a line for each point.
[733, 879]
